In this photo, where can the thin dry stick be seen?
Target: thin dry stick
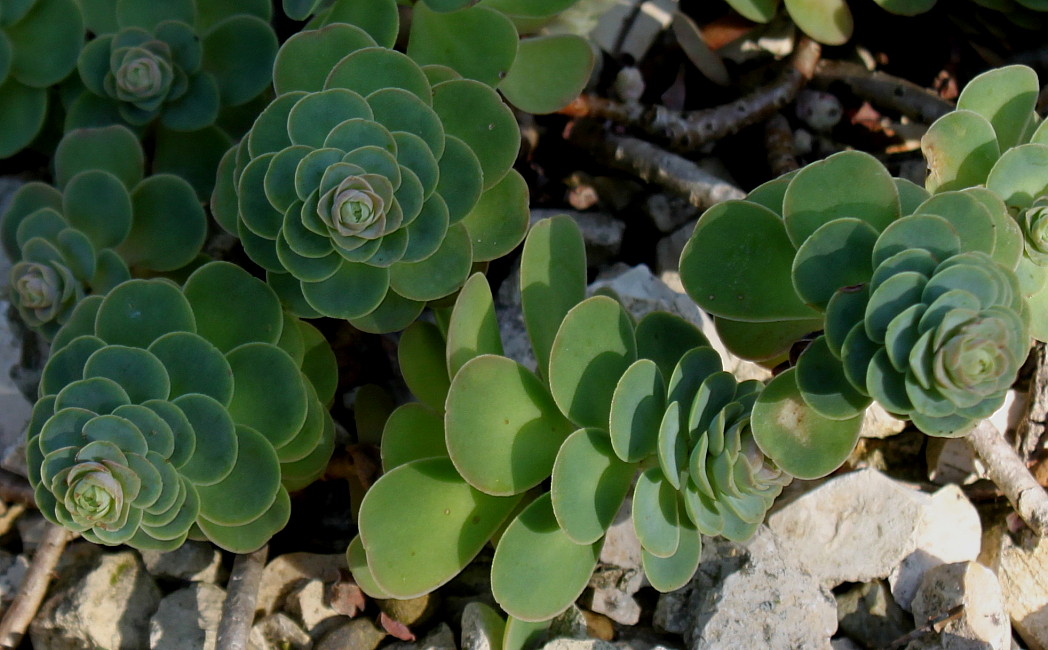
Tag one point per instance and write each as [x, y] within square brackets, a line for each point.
[238, 610]
[686, 131]
[934, 625]
[1031, 427]
[778, 138]
[1010, 474]
[655, 165]
[883, 90]
[31, 592]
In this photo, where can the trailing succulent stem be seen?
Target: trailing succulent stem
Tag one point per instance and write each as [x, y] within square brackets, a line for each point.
[540, 463]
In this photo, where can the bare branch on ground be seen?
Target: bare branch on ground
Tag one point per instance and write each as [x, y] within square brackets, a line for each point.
[238, 610]
[34, 586]
[1031, 427]
[1011, 475]
[654, 165]
[778, 138]
[883, 90]
[15, 489]
[687, 131]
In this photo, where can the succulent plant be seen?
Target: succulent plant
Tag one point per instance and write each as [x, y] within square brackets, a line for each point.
[995, 139]
[102, 217]
[538, 73]
[540, 464]
[39, 44]
[158, 421]
[366, 188]
[830, 21]
[901, 297]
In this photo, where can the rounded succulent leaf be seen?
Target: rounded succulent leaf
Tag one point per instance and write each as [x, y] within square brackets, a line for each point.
[960, 148]
[1006, 97]
[588, 486]
[510, 445]
[827, 21]
[450, 522]
[548, 72]
[533, 542]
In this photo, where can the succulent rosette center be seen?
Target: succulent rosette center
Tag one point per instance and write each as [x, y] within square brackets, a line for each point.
[43, 293]
[141, 77]
[354, 209]
[94, 494]
[1034, 223]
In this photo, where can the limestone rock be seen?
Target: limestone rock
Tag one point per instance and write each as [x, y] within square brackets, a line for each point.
[669, 212]
[109, 607]
[621, 574]
[12, 570]
[571, 624]
[193, 561]
[670, 247]
[308, 603]
[188, 619]
[1022, 570]
[949, 530]
[358, 633]
[878, 423]
[868, 613]
[412, 611]
[31, 527]
[853, 528]
[279, 632]
[15, 409]
[284, 572]
[983, 622]
[757, 596]
[952, 460]
[578, 644]
[482, 627]
[440, 638]
[510, 316]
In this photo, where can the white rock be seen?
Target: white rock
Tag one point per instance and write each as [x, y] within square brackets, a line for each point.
[578, 644]
[284, 572]
[1007, 417]
[949, 531]
[482, 627]
[758, 596]
[441, 638]
[669, 212]
[358, 634]
[1023, 573]
[309, 604]
[510, 316]
[12, 571]
[109, 607]
[622, 574]
[983, 622]
[31, 527]
[279, 632]
[670, 247]
[952, 460]
[641, 31]
[188, 619]
[193, 561]
[853, 528]
[878, 423]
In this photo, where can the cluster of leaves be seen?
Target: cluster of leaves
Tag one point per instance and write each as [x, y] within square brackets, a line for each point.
[158, 420]
[366, 182]
[924, 300]
[830, 21]
[365, 195]
[102, 218]
[540, 464]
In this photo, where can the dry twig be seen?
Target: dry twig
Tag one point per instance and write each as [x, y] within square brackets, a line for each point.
[655, 165]
[778, 138]
[936, 625]
[883, 90]
[238, 610]
[686, 131]
[1010, 474]
[34, 586]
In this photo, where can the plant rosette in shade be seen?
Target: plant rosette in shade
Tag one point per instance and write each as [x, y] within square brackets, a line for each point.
[158, 420]
[177, 62]
[538, 73]
[995, 139]
[539, 464]
[102, 218]
[913, 300]
[39, 44]
[371, 185]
